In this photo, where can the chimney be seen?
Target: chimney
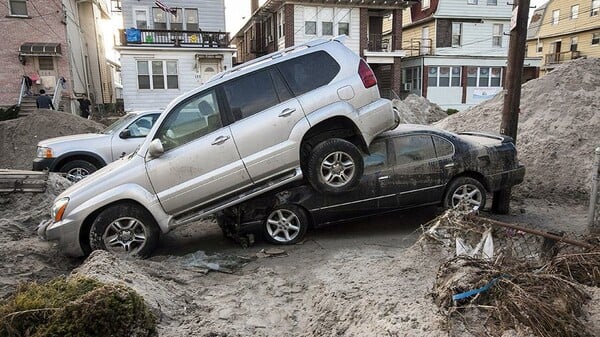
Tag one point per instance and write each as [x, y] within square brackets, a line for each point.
[253, 6]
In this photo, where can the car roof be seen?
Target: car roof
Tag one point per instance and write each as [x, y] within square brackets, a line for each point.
[144, 112]
[407, 129]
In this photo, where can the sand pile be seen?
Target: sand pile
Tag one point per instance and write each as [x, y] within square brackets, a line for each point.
[559, 128]
[19, 137]
[418, 110]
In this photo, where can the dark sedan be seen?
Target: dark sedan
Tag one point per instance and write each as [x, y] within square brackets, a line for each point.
[408, 167]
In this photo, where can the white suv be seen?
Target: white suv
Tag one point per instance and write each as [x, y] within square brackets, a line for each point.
[306, 111]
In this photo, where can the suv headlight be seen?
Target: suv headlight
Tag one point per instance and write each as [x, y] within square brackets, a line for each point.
[44, 152]
[58, 209]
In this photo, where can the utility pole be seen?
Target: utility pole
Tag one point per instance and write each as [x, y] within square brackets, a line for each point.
[512, 91]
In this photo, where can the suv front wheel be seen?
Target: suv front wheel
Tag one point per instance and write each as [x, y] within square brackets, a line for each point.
[335, 166]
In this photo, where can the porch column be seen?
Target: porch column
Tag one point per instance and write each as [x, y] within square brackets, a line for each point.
[463, 83]
[425, 80]
[288, 13]
[397, 29]
[364, 23]
[397, 75]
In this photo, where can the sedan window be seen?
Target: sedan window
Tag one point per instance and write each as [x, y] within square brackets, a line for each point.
[443, 147]
[378, 157]
[414, 148]
[191, 120]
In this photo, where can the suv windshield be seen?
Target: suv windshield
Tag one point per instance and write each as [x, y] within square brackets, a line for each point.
[119, 123]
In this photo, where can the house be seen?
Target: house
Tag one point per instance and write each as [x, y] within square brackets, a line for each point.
[59, 46]
[457, 51]
[279, 24]
[563, 30]
[169, 48]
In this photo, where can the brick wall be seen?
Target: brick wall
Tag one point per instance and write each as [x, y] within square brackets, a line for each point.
[364, 22]
[288, 12]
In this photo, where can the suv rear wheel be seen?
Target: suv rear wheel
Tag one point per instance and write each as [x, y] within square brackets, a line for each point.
[335, 166]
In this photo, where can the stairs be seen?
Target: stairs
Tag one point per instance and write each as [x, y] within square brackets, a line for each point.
[28, 105]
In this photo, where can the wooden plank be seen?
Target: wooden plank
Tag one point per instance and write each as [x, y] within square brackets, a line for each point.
[22, 181]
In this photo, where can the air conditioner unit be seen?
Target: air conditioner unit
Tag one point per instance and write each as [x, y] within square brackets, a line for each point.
[407, 87]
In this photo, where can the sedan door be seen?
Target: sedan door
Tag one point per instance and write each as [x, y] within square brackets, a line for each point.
[264, 114]
[200, 162]
[138, 130]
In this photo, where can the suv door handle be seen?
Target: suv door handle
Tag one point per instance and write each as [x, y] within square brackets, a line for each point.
[286, 112]
[220, 140]
[384, 178]
[450, 165]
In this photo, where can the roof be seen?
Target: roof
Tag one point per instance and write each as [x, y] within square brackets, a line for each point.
[40, 49]
[536, 21]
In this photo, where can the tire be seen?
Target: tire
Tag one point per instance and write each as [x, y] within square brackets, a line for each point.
[125, 229]
[285, 225]
[467, 189]
[78, 169]
[335, 166]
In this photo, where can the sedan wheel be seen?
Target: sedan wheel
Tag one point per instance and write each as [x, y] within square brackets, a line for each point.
[285, 225]
[465, 192]
[125, 229]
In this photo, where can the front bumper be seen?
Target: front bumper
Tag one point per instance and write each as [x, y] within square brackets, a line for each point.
[41, 164]
[65, 233]
[506, 179]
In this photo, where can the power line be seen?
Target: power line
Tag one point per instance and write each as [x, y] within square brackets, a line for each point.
[44, 19]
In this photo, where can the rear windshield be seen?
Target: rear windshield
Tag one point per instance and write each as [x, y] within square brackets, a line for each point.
[308, 72]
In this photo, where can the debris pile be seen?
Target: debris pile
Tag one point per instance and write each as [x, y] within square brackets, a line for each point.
[19, 137]
[558, 129]
[418, 110]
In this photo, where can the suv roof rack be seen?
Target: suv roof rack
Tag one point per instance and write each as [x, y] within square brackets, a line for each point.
[277, 54]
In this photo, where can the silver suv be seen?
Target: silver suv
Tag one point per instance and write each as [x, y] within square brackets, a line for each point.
[306, 111]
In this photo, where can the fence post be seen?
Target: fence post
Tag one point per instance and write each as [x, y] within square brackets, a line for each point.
[593, 216]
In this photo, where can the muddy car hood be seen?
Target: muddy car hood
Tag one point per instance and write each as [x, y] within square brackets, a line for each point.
[88, 137]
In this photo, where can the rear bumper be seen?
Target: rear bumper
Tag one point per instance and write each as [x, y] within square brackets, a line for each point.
[41, 164]
[506, 179]
[376, 118]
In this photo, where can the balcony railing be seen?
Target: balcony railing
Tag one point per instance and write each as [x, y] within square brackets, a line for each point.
[555, 58]
[177, 38]
[381, 43]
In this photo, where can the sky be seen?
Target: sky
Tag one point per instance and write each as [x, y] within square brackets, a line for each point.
[237, 12]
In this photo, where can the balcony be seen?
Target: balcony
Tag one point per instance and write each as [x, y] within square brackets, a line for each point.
[556, 58]
[380, 43]
[175, 38]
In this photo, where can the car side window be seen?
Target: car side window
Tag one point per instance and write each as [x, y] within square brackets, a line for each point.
[250, 94]
[443, 147]
[413, 148]
[309, 71]
[378, 157]
[141, 126]
[191, 120]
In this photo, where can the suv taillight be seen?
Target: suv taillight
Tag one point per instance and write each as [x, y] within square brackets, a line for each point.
[366, 74]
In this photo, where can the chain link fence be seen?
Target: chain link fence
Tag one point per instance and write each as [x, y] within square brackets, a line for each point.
[594, 213]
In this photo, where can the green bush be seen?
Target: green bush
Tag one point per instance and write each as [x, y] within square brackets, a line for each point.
[451, 111]
[9, 113]
[75, 307]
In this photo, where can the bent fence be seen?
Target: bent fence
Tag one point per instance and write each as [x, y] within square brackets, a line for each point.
[594, 213]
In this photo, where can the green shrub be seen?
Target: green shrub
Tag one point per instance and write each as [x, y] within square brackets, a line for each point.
[75, 307]
[451, 111]
[9, 113]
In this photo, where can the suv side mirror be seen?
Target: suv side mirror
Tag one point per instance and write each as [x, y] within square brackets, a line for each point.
[156, 148]
[125, 134]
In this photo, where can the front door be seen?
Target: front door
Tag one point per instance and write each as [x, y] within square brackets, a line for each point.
[47, 70]
[200, 163]
[207, 70]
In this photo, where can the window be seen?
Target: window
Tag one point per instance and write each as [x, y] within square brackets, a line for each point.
[425, 4]
[574, 43]
[310, 20]
[555, 17]
[159, 18]
[281, 23]
[484, 76]
[495, 80]
[540, 47]
[415, 148]
[141, 19]
[327, 28]
[310, 27]
[378, 157]
[141, 127]
[444, 76]
[595, 38]
[472, 76]
[18, 7]
[46, 62]
[191, 19]
[193, 119]
[456, 34]
[412, 76]
[443, 147]
[595, 8]
[455, 76]
[155, 74]
[472, 2]
[343, 19]
[343, 28]
[176, 20]
[574, 12]
[492, 2]
[432, 77]
[250, 94]
[497, 35]
[444, 80]
[309, 72]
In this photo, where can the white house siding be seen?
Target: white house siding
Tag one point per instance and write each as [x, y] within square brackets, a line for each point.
[353, 40]
[144, 99]
[460, 9]
[477, 40]
[211, 13]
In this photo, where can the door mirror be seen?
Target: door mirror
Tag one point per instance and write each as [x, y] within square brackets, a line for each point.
[125, 134]
[156, 148]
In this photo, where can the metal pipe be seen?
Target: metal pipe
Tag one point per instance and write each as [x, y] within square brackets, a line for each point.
[594, 195]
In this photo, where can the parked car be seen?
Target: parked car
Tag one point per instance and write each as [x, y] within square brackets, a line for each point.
[78, 156]
[306, 111]
[411, 166]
